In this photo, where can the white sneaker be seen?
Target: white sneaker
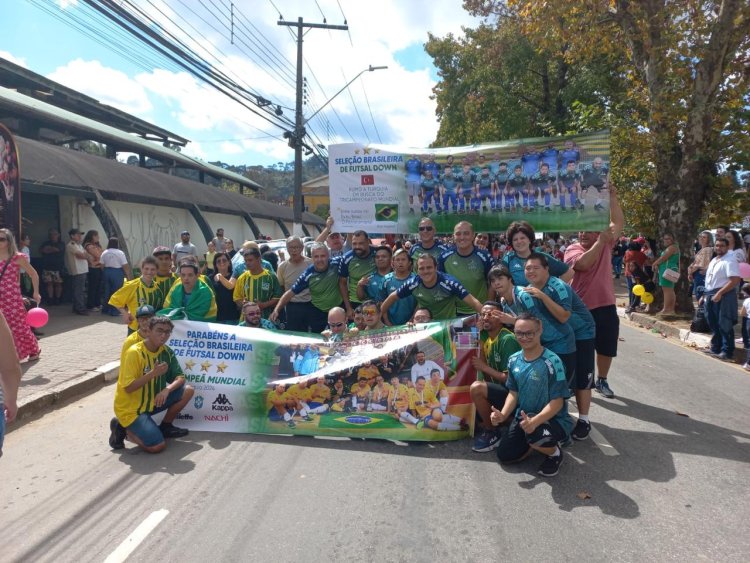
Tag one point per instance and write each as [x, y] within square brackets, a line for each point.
[746, 366]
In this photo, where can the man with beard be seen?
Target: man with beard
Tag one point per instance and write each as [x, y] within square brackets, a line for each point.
[356, 264]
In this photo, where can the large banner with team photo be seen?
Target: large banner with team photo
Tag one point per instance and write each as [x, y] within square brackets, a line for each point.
[401, 383]
[558, 184]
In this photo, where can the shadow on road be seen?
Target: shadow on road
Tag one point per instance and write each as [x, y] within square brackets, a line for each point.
[170, 461]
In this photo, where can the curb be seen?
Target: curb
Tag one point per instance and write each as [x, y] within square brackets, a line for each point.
[697, 340]
[79, 386]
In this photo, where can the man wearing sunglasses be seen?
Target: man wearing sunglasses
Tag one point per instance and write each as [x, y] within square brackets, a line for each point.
[537, 392]
[427, 243]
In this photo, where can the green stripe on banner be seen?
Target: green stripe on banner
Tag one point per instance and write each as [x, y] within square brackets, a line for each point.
[351, 421]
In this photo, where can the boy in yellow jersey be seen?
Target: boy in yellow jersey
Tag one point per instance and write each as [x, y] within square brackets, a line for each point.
[399, 400]
[320, 395]
[360, 394]
[150, 381]
[165, 277]
[379, 397]
[438, 388]
[257, 284]
[425, 409]
[143, 315]
[279, 406]
[138, 292]
[300, 394]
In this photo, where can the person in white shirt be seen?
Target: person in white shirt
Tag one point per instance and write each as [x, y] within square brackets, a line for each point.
[423, 367]
[182, 249]
[78, 268]
[116, 270]
[720, 298]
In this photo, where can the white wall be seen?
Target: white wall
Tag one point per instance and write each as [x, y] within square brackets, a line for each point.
[77, 212]
[235, 227]
[270, 228]
[146, 226]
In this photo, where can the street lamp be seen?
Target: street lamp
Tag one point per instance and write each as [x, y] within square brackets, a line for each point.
[296, 141]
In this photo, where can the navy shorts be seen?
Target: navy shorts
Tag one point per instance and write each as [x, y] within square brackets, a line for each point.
[516, 442]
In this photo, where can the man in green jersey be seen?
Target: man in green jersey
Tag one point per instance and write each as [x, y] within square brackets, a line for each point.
[433, 290]
[427, 244]
[356, 264]
[322, 279]
[468, 264]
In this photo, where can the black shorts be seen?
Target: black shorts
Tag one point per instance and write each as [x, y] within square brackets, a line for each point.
[607, 330]
[569, 362]
[584, 372]
[516, 442]
[496, 394]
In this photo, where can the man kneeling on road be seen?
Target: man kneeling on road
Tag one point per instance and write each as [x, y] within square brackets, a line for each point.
[537, 393]
[150, 381]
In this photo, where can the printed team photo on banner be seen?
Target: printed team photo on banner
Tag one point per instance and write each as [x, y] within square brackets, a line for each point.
[404, 383]
[558, 184]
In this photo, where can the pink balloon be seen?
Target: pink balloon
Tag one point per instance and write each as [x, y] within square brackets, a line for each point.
[37, 317]
[745, 270]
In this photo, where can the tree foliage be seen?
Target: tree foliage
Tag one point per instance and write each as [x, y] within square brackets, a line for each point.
[669, 77]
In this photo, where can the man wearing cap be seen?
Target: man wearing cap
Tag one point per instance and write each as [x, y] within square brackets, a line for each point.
[142, 316]
[78, 268]
[183, 248]
[165, 277]
[335, 241]
[257, 284]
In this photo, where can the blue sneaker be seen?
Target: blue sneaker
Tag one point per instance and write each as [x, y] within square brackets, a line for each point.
[603, 387]
[485, 441]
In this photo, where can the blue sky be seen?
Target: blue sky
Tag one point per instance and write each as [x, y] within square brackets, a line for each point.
[390, 106]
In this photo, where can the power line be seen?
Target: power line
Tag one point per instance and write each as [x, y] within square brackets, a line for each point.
[364, 91]
[356, 111]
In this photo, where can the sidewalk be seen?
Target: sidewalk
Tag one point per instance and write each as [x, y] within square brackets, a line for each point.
[79, 354]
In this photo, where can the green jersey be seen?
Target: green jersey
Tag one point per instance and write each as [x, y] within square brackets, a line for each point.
[436, 250]
[354, 269]
[440, 299]
[323, 286]
[498, 351]
[470, 270]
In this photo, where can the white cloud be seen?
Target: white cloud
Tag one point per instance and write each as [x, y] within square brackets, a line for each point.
[64, 4]
[20, 61]
[231, 148]
[109, 86]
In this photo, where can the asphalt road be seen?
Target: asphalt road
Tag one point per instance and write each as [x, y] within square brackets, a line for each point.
[666, 471]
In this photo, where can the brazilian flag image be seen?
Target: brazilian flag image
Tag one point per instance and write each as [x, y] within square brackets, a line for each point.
[386, 212]
[350, 421]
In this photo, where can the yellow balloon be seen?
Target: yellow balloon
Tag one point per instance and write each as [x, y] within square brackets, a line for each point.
[638, 290]
[647, 298]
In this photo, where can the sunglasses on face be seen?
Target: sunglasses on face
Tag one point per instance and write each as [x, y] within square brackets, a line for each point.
[425, 228]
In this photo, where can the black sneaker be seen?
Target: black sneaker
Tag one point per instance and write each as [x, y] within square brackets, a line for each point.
[551, 466]
[117, 436]
[581, 431]
[169, 430]
[603, 387]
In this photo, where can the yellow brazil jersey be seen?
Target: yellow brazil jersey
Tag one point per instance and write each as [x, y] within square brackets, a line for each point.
[133, 338]
[398, 397]
[258, 288]
[440, 387]
[320, 393]
[138, 361]
[380, 394]
[134, 294]
[275, 398]
[166, 282]
[360, 391]
[368, 372]
[422, 402]
[296, 392]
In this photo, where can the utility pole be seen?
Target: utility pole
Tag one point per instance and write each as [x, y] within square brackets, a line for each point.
[296, 137]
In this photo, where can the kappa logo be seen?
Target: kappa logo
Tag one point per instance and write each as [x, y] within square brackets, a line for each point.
[198, 402]
[546, 432]
[221, 403]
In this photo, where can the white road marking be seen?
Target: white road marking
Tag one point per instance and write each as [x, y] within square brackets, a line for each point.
[135, 539]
